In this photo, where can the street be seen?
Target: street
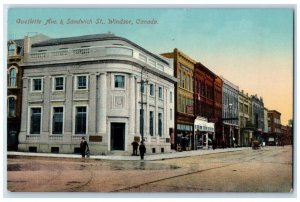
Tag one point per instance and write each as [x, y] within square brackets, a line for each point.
[264, 170]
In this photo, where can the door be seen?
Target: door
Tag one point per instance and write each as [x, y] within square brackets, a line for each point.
[117, 136]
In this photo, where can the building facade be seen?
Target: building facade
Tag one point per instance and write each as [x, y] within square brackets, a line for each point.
[286, 135]
[230, 95]
[274, 123]
[14, 91]
[90, 86]
[257, 118]
[245, 123]
[208, 102]
[184, 98]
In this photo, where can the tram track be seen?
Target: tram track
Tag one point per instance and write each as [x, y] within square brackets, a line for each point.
[248, 158]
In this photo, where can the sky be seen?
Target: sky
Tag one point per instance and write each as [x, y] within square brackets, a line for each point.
[251, 47]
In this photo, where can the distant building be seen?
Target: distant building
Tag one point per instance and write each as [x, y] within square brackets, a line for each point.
[266, 125]
[245, 124]
[257, 117]
[90, 86]
[184, 98]
[230, 94]
[274, 123]
[287, 137]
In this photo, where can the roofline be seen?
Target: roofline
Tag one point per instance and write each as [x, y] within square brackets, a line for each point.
[42, 44]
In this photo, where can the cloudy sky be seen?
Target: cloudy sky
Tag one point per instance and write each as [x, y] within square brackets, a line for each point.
[251, 47]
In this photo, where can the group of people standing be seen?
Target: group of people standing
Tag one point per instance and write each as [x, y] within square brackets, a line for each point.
[84, 148]
[142, 149]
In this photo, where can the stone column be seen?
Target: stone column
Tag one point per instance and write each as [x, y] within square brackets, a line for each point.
[137, 110]
[102, 91]
[166, 114]
[24, 115]
[92, 104]
[68, 108]
[46, 116]
[132, 107]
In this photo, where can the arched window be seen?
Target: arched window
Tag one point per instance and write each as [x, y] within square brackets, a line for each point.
[11, 49]
[12, 77]
[11, 107]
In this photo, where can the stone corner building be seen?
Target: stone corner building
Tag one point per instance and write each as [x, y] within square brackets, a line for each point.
[89, 86]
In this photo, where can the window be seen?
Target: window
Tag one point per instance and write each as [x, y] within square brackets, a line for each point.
[179, 78]
[81, 82]
[12, 77]
[35, 120]
[119, 81]
[11, 49]
[151, 123]
[151, 89]
[37, 84]
[187, 82]
[143, 86]
[160, 93]
[59, 83]
[80, 122]
[11, 107]
[141, 121]
[171, 114]
[171, 97]
[160, 126]
[57, 120]
[183, 81]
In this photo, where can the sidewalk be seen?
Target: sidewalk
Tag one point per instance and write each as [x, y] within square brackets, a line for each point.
[149, 157]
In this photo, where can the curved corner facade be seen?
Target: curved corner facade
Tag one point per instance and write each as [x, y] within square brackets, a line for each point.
[90, 86]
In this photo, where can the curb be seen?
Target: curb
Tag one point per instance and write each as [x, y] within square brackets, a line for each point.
[151, 157]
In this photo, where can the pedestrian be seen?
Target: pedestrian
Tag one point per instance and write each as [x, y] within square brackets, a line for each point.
[142, 149]
[223, 144]
[214, 144]
[83, 147]
[135, 146]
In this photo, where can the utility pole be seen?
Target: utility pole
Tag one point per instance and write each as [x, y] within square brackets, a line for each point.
[142, 104]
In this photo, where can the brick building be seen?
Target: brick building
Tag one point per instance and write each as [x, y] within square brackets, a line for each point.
[184, 99]
[208, 100]
[275, 135]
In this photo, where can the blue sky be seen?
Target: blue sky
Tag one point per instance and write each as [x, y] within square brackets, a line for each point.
[251, 47]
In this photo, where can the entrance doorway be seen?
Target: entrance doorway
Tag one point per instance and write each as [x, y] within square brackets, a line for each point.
[117, 136]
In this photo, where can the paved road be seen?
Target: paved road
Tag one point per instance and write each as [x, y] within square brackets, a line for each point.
[265, 170]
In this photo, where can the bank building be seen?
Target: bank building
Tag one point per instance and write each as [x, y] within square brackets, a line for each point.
[102, 87]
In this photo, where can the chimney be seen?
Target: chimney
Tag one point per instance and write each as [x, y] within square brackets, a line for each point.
[27, 45]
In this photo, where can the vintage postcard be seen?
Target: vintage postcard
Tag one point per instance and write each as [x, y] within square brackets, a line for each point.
[150, 100]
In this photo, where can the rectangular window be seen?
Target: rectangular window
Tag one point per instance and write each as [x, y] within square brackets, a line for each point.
[171, 97]
[141, 121]
[11, 107]
[119, 81]
[171, 114]
[160, 124]
[160, 93]
[37, 84]
[143, 86]
[151, 89]
[80, 122]
[151, 123]
[35, 120]
[57, 120]
[81, 82]
[59, 83]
